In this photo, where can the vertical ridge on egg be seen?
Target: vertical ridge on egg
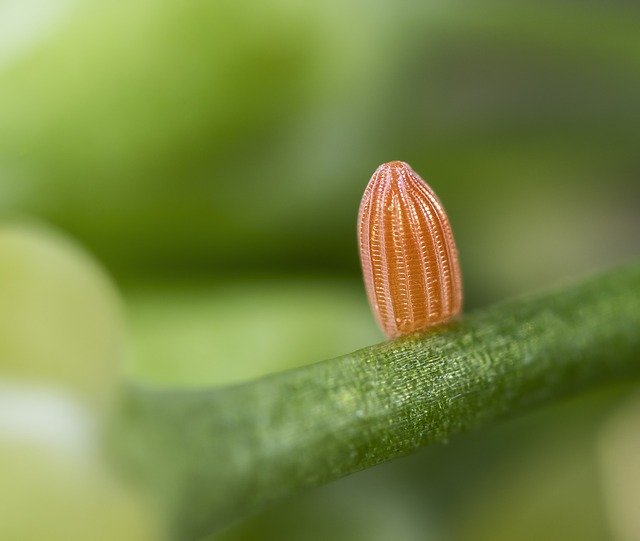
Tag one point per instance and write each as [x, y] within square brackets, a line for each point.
[408, 254]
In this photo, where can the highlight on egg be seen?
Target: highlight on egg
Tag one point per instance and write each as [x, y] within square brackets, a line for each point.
[407, 251]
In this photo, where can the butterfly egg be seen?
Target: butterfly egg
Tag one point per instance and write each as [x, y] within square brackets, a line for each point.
[408, 255]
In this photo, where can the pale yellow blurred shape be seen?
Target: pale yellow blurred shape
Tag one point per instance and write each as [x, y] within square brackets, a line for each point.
[48, 494]
[620, 466]
[61, 344]
[60, 320]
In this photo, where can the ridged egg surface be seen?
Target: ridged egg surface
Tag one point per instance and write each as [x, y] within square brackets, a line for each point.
[408, 255]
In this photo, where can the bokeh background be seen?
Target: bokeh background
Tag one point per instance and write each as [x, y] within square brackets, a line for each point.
[179, 183]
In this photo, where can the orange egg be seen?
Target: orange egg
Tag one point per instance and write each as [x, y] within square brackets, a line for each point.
[408, 255]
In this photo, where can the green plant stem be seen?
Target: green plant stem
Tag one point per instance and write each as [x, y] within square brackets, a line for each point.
[217, 454]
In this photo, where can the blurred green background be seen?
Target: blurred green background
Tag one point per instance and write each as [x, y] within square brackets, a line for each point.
[207, 161]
